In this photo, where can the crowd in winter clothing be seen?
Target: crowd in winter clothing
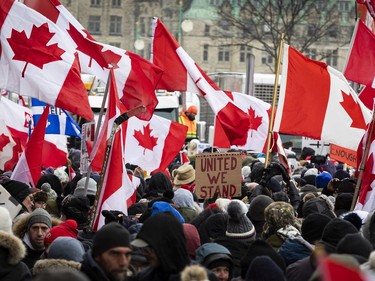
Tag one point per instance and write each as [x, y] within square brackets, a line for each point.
[284, 226]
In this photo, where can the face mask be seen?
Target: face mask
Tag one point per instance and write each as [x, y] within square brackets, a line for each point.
[191, 117]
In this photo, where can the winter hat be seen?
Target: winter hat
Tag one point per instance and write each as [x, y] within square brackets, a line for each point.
[46, 187]
[343, 203]
[222, 203]
[185, 174]
[313, 226]
[321, 205]
[310, 179]
[322, 180]
[91, 187]
[18, 190]
[263, 268]
[309, 188]
[281, 196]
[354, 218]
[209, 254]
[356, 245]
[39, 215]
[216, 225]
[257, 207]
[260, 248]
[279, 215]
[61, 174]
[183, 198]
[67, 228]
[110, 236]
[193, 241]
[192, 109]
[239, 226]
[76, 208]
[67, 248]
[311, 171]
[245, 171]
[334, 231]
[162, 207]
[5, 220]
[341, 174]
[346, 186]
[274, 185]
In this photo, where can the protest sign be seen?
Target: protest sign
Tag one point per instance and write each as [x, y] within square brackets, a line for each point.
[218, 173]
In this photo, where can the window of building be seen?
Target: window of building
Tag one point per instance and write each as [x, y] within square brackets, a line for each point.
[94, 24]
[205, 52]
[311, 29]
[267, 58]
[115, 25]
[332, 58]
[311, 53]
[95, 2]
[115, 44]
[116, 3]
[343, 6]
[206, 30]
[215, 2]
[333, 31]
[223, 54]
[244, 51]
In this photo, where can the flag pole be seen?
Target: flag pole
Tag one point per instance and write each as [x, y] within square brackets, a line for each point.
[270, 125]
[363, 161]
[117, 123]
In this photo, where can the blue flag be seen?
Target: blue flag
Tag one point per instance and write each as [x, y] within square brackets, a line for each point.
[59, 121]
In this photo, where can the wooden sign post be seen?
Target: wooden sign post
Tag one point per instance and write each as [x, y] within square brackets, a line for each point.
[218, 173]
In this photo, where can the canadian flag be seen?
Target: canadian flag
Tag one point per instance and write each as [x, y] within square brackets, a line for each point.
[367, 96]
[153, 144]
[366, 198]
[29, 165]
[38, 60]
[136, 77]
[332, 269]
[181, 73]
[16, 123]
[317, 101]
[119, 188]
[55, 151]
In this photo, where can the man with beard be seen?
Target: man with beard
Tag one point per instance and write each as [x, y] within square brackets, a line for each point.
[187, 118]
[109, 257]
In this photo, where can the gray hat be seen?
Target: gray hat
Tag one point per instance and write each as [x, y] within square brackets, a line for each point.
[91, 187]
[239, 225]
[39, 215]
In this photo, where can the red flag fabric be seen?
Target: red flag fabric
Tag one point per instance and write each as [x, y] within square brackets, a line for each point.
[183, 74]
[367, 96]
[361, 56]
[29, 166]
[118, 187]
[17, 121]
[8, 149]
[333, 270]
[38, 60]
[317, 101]
[55, 151]
[366, 198]
[184, 159]
[136, 77]
[153, 144]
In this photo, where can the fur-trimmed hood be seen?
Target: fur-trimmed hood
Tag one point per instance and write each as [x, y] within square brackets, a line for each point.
[20, 225]
[15, 247]
[53, 264]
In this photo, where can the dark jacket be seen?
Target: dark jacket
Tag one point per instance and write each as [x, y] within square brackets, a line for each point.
[92, 269]
[12, 251]
[301, 270]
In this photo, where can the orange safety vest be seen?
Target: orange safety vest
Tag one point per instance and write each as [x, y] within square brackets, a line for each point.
[192, 126]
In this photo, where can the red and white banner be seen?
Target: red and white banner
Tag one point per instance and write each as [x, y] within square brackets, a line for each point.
[38, 60]
[153, 144]
[29, 166]
[317, 101]
[136, 78]
[181, 73]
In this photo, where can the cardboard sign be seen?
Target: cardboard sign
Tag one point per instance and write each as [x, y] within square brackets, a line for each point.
[218, 173]
[344, 155]
[11, 204]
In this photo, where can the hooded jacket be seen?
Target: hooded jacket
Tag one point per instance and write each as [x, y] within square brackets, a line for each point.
[12, 251]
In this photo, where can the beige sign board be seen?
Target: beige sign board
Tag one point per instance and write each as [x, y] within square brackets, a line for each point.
[218, 173]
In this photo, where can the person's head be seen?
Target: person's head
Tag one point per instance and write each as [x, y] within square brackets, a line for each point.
[184, 175]
[38, 225]
[111, 250]
[217, 258]
[40, 199]
[191, 112]
[91, 189]
[21, 192]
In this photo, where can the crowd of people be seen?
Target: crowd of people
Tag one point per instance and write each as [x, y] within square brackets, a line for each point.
[283, 226]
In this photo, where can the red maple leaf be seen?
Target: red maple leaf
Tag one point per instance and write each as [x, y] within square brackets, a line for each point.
[89, 47]
[4, 140]
[255, 121]
[145, 140]
[354, 111]
[34, 49]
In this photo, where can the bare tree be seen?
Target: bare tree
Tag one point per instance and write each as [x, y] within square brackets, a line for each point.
[305, 24]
